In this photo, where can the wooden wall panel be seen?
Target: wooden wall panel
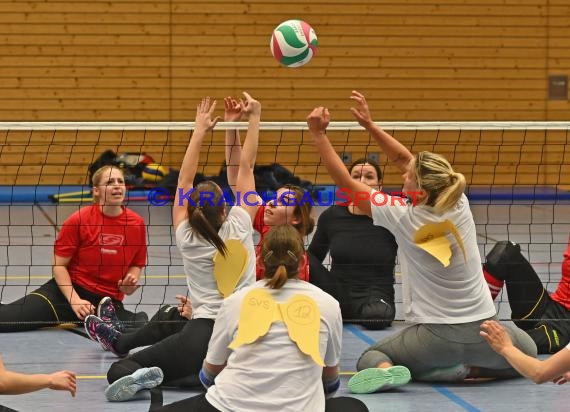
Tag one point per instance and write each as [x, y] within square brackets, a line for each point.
[152, 60]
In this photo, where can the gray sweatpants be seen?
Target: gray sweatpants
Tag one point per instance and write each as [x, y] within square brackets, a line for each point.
[423, 348]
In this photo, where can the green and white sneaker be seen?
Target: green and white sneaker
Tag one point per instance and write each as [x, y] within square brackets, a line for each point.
[379, 379]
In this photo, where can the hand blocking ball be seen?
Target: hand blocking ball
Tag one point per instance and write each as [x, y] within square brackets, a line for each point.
[293, 43]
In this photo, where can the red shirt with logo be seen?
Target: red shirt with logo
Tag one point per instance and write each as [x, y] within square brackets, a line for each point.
[102, 248]
[262, 228]
[562, 294]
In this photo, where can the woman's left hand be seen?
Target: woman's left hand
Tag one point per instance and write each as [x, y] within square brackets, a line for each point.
[184, 307]
[129, 284]
[318, 121]
[496, 335]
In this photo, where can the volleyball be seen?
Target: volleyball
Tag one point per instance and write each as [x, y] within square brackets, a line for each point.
[154, 172]
[293, 43]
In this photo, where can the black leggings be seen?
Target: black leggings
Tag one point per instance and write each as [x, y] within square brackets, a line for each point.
[546, 321]
[166, 322]
[180, 356]
[47, 307]
[199, 403]
[373, 311]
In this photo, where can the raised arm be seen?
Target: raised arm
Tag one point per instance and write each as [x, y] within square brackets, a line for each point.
[358, 192]
[249, 200]
[396, 152]
[232, 113]
[203, 125]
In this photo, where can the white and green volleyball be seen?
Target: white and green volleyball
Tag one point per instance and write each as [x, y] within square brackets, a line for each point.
[293, 43]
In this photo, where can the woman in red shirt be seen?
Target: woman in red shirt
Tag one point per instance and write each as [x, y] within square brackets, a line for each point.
[289, 205]
[98, 256]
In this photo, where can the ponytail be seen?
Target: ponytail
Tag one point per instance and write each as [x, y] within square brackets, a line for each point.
[451, 194]
[281, 254]
[207, 215]
[278, 279]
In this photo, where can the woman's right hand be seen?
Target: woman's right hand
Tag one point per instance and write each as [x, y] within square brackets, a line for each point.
[82, 308]
[63, 381]
[233, 110]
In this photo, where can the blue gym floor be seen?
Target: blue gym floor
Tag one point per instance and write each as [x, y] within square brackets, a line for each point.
[26, 240]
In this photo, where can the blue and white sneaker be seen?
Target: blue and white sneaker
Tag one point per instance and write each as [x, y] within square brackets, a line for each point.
[379, 379]
[125, 388]
[107, 313]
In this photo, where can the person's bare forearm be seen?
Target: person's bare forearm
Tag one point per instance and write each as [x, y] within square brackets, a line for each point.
[397, 153]
[63, 280]
[13, 383]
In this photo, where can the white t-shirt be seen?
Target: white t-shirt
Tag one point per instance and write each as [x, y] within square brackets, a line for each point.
[431, 292]
[272, 374]
[198, 255]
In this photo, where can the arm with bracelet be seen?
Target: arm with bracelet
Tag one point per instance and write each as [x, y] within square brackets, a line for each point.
[208, 373]
[331, 380]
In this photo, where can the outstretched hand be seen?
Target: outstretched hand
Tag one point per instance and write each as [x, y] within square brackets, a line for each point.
[496, 335]
[63, 381]
[361, 112]
[204, 112]
[318, 121]
[233, 110]
[250, 105]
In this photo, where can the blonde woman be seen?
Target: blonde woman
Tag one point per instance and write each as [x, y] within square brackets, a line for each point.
[444, 291]
[98, 256]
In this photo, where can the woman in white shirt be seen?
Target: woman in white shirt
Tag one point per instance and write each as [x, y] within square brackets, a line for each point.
[444, 291]
[218, 256]
[276, 345]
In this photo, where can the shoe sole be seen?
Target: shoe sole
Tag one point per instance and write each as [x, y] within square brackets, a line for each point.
[105, 299]
[125, 388]
[377, 379]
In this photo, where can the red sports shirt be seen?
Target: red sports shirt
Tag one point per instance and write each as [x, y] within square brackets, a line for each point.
[562, 294]
[102, 248]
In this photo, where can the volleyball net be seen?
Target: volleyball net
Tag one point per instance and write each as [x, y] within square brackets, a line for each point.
[518, 176]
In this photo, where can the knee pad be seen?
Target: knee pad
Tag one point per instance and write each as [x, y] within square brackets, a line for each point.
[502, 260]
[377, 314]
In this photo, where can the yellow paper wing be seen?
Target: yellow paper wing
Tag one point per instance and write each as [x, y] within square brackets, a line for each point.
[432, 238]
[228, 270]
[258, 311]
[303, 319]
